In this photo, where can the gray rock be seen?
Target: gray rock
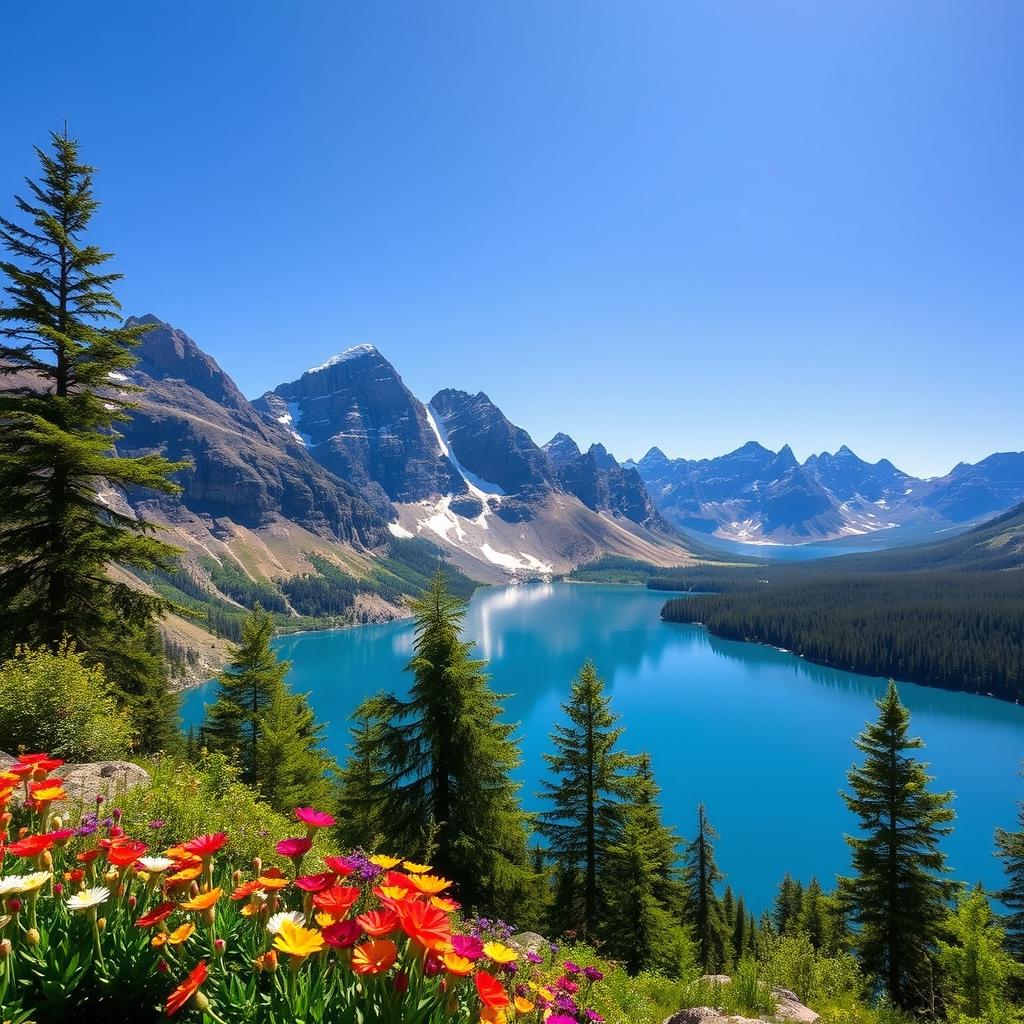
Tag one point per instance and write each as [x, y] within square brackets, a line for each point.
[791, 1009]
[530, 942]
[706, 1015]
[109, 779]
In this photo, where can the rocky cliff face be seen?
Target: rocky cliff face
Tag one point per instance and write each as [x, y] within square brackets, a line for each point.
[358, 419]
[243, 467]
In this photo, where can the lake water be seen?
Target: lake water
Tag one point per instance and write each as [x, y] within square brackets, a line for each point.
[762, 737]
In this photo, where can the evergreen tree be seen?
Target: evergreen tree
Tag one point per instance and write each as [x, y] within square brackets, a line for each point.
[588, 797]
[292, 767]
[360, 783]
[742, 931]
[897, 896]
[65, 353]
[975, 968]
[788, 906]
[813, 920]
[446, 759]
[245, 689]
[703, 910]
[1010, 849]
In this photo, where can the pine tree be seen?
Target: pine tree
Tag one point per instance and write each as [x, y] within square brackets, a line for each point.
[897, 896]
[975, 967]
[292, 767]
[66, 394]
[361, 780]
[245, 689]
[588, 798]
[447, 759]
[742, 931]
[1010, 849]
[813, 920]
[703, 909]
[788, 906]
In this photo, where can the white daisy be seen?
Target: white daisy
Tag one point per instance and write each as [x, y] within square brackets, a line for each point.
[30, 883]
[88, 898]
[154, 865]
[11, 884]
[274, 924]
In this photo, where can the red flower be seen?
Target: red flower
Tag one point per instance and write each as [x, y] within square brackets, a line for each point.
[338, 900]
[32, 758]
[340, 865]
[314, 819]
[125, 854]
[293, 848]
[425, 924]
[246, 889]
[378, 922]
[396, 878]
[315, 883]
[30, 846]
[342, 934]
[205, 846]
[490, 991]
[156, 915]
[187, 989]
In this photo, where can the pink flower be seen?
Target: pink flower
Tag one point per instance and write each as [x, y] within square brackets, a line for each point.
[312, 818]
[296, 847]
[468, 946]
[315, 883]
[342, 934]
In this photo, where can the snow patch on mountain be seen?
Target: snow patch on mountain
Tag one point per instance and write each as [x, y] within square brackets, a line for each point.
[398, 530]
[350, 353]
[478, 487]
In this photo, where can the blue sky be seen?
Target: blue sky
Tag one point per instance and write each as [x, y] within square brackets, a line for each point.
[686, 223]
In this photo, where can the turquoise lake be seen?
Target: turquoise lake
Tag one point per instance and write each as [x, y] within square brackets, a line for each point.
[761, 736]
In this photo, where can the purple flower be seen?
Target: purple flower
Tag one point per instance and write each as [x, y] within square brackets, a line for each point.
[116, 813]
[592, 974]
[571, 968]
[568, 1004]
[157, 823]
[594, 1016]
[468, 946]
[534, 958]
[560, 1018]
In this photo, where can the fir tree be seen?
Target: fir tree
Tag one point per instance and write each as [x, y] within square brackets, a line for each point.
[813, 919]
[788, 905]
[245, 689]
[1010, 849]
[593, 783]
[446, 759]
[742, 931]
[897, 895]
[65, 352]
[703, 910]
[361, 781]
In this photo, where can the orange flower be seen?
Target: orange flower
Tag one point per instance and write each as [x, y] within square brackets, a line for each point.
[180, 934]
[490, 991]
[374, 957]
[272, 882]
[203, 901]
[338, 900]
[125, 854]
[246, 889]
[431, 885]
[523, 1005]
[425, 924]
[457, 965]
[448, 906]
[377, 923]
[184, 875]
[30, 846]
[186, 990]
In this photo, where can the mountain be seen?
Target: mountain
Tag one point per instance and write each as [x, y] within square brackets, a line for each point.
[362, 423]
[754, 495]
[597, 479]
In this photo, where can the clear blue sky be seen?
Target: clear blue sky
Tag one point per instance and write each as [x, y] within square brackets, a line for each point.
[688, 224]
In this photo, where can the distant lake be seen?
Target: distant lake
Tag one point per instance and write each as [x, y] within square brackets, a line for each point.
[762, 737]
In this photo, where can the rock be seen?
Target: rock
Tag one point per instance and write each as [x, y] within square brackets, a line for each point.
[717, 979]
[706, 1015]
[790, 1007]
[109, 779]
[530, 942]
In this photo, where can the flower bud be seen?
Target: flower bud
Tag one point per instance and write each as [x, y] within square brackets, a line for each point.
[133, 901]
[401, 982]
[116, 813]
[270, 961]
[257, 865]
[200, 1002]
[58, 888]
[193, 889]
[219, 945]
[47, 859]
[236, 877]
[101, 924]
[5, 948]
[209, 915]
[14, 905]
[110, 876]
[162, 967]
[56, 823]
[32, 937]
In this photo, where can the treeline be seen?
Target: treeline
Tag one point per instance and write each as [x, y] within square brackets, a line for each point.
[956, 630]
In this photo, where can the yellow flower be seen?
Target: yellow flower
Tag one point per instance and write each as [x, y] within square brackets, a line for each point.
[522, 1005]
[49, 794]
[324, 920]
[297, 941]
[385, 862]
[391, 892]
[415, 869]
[203, 901]
[500, 954]
[179, 935]
[431, 885]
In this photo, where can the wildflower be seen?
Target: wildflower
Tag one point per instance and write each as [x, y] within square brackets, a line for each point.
[374, 957]
[431, 885]
[75, 876]
[315, 883]
[88, 856]
[381, 860]
[180, 934]
[425, 925]
[456, 965]
[48, 794]
[277, 920]
[186, 990]
[534, 958]
[468, 946]
[592, 974]
[272, 882]
[34, 881]
[204, 901]
[30, 846]
[499, 953]
[342, 934]
[156, 915]
[87, 899]
[125, 854]
[377, 923]
[156, 824]
[390, 893]
[594, 1016]
[401, 982]
[61, 836]
[342, 866]
[266, 962]
[338, 900]
[560, 1018]
[295, 848]
[523, 1005]
[297, 941]
[490, 991]
[155, 865]
[415, 869]
[246, 889]
[205, 846]
[571, 968]
[314, 819]
[448, 906]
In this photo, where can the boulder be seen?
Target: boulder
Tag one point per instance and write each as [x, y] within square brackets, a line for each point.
[790, 1008]
[109, 779]
[706, 1015]
[530, 942]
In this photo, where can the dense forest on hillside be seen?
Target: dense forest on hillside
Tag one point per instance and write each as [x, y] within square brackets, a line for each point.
[946, 614]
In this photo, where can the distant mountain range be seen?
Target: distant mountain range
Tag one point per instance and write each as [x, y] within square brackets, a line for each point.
[756, 496]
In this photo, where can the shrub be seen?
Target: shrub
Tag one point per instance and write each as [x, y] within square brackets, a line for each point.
[50, 700]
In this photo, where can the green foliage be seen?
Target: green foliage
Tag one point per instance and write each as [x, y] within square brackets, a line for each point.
[1010, 849]
[360, 815]
[52, 700]
[190, 798]
[445, 759]
[703, 910]
[897, 895]
[975, 968]
[229, 578]
[588, 797]
[59, 416]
